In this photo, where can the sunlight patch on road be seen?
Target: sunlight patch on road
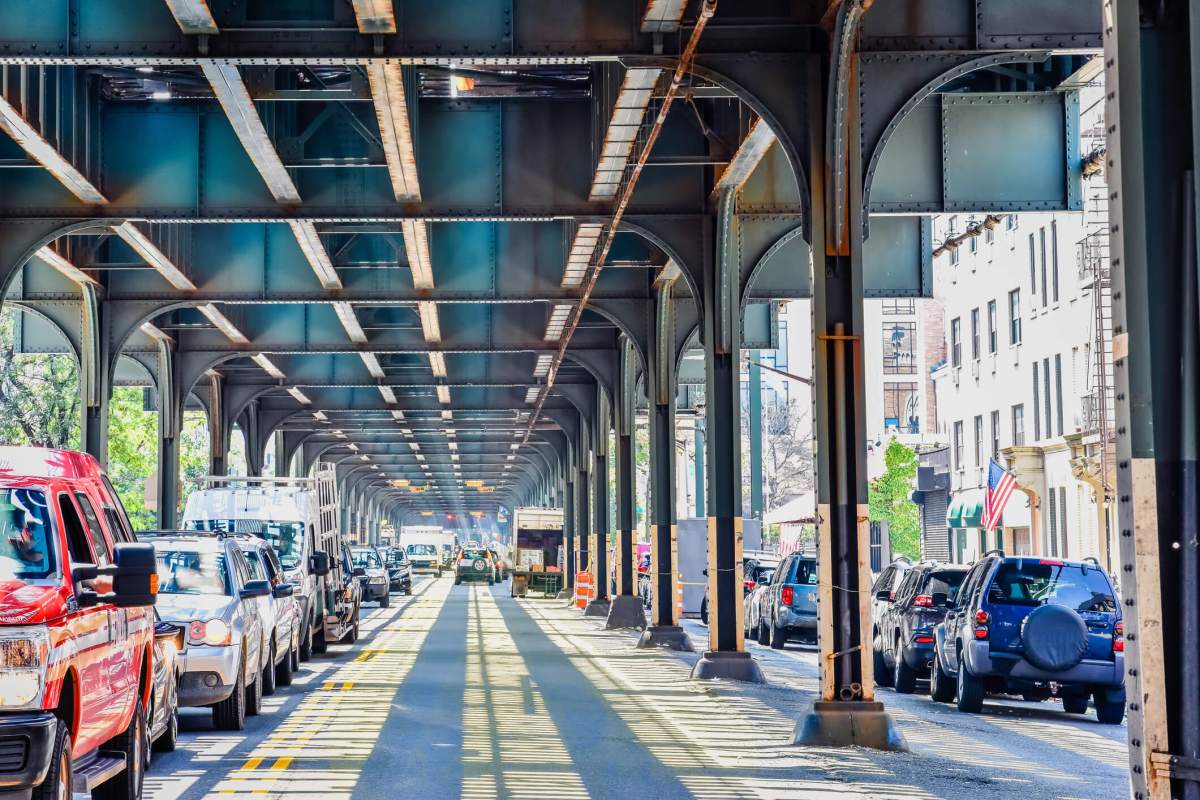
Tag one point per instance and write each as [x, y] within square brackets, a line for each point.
[511, 745]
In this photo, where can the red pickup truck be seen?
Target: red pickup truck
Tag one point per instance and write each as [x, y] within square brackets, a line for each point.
[76, 631]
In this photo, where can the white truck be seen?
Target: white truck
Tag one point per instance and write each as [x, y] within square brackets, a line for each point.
[429, 547]
[299, 517]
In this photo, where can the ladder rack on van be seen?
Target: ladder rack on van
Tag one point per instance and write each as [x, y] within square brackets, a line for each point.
[215, 480]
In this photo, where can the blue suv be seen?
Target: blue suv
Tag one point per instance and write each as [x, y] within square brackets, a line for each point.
[1035, 627]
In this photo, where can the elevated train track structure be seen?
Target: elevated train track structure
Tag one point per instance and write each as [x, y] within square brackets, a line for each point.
[454, 247]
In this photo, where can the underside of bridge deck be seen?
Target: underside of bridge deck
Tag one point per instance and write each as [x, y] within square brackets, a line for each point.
[456, 248]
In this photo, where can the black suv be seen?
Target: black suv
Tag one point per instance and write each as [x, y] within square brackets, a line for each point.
[1035, 627]
[904, 647]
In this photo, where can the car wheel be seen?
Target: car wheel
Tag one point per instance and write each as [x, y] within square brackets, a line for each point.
[306, 642]
[254, 693]
[941, 685]
[169, 738]
[132, 744]
[1110, 705]
[968, 694]
[457, 580]
[904, 677]
[1075, 703]
[763, 633]
[60, 779]
[779, 637]
[285, 668]
[408, 588]
[704, 611]
[230, 713]
[883, 675]
[268, 674]
[319, 645]
[385, 601]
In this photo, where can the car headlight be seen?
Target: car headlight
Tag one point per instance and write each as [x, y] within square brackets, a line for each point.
[378, 579]
[213, 632]
[24, 655]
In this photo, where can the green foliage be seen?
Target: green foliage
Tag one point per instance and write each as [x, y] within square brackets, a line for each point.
[39, 393]
[132, 452]
[890, 498]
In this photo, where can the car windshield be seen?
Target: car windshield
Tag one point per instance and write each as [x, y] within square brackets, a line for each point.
[764, 575]
[26, 537]
[366, 558]
[421, 550]
[286, 537]
[945, 581]
[805, 572]
[191, 571]
[473, 554]
[1031, 582]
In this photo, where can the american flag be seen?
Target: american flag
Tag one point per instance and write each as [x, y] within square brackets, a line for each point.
[999, 488]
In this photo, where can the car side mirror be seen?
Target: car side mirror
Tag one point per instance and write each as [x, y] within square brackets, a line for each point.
[883, 594]
[359, 572]
[283, 590]
[318, 564]
[255, 589]
[941, 599]
[135, 577]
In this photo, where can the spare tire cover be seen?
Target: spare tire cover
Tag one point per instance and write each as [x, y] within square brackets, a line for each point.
[1055, 638]
[480, 565]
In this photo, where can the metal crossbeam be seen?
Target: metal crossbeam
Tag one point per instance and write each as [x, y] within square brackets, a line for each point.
[375, 16]
[753, 147]
[193, 16]
[391, 110]
[40, 150]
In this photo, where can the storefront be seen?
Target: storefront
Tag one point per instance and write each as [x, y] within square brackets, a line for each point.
[964, 518]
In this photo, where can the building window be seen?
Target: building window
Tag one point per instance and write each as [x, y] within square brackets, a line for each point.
[1058, 391]
[1037, 417]
[781, 355]
[956, 342]
[1047, 398]
[1054, 259]
[996, 435]
[898, 306]
[1018, 425]
[954, 257]
[979, 440]
[989, 235]
[899, 340]
[1053, 519]
[993, 336]
[1014, 316]
[958, 445]
[901, 411]
[1032, 266]
[1062, 521]
[1010, 222]
[973, 244]
[1042, 249]
[975, 333]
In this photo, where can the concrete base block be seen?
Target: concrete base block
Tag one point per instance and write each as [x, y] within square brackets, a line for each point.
[849, 723]
[597, 608]
[563, 594]
[672, 637]
[727, 666]
[626, 611]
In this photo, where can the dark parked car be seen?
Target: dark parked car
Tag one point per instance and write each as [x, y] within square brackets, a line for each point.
[399, 569]
[753, 566]
[904, 636]
[1034, 627]
[788, 607]
[887, 582]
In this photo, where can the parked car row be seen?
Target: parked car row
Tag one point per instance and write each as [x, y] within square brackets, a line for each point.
[1006, 625]
[104, 634]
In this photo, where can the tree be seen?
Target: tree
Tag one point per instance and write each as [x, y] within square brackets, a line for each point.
[787, 454]
[132, 452]
[890, 499]
[39, 393]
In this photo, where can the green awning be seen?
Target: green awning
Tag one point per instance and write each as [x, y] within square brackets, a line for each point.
[966, 509]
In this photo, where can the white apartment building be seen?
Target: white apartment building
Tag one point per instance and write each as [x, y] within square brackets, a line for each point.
[1020, 327]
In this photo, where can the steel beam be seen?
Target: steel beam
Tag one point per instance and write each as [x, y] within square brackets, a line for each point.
[395, 133]
[194, 16]
[29, 139]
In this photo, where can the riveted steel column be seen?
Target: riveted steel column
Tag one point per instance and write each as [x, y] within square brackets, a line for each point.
[252, 436]
[600, 507]
[569, 525]
[625, 470]
[282, 468]
[170, 409]
[756, 437]
[1152, 57]
[583, 481]
[95, 371]
[218, 431]
[726, 657]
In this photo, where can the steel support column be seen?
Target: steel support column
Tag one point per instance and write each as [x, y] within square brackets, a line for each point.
[599, 548]
[726, 656]
[1152, 57]
[583, 482]
[218, 430]
[756, 437]
[569, 530]
[170, 412]
[664, 627]
[624, 601]
[95, 385]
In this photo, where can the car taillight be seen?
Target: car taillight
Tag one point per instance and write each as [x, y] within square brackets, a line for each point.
[922, 640]
[981, 632]
[1054, 562]
[982, 618]
[924, 600]
[787, 595]
[749, 585]
[891, 596]
[1119, 638]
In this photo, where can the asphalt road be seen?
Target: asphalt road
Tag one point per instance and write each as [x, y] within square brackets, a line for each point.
[464, 692]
